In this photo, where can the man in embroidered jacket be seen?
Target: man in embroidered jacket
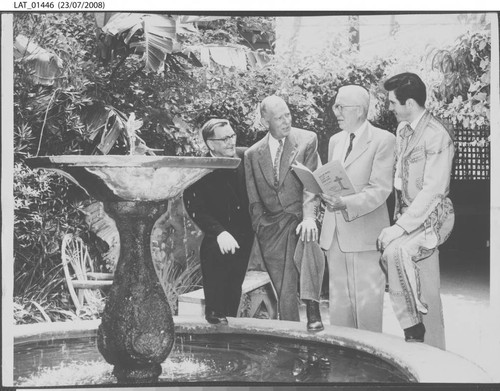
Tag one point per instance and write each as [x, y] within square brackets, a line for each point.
[423, 213]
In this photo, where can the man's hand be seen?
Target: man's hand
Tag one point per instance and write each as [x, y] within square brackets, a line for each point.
[307, 230]
[388, 235]
[333, 202]
[227, 243]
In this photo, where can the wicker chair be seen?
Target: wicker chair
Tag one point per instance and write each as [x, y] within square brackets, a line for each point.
[83, 283]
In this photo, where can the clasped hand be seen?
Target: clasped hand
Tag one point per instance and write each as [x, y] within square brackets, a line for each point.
[333, 202]
[307, 230]
[227, 243]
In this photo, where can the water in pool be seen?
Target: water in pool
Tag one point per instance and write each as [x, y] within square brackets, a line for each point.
[207, 358]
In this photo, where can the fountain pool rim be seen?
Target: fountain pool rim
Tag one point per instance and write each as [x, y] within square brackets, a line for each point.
[424, 363]
[133, 161]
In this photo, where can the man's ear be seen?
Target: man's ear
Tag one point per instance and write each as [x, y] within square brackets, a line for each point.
[264, 122]
[208, 144]
[411, 103]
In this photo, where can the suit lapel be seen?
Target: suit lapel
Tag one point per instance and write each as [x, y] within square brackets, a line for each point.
[265, 163]
[290, 151]
[360, 146]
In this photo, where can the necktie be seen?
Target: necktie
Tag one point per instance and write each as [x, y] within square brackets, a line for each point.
[351, 135]
[276, 166]
[407, 131]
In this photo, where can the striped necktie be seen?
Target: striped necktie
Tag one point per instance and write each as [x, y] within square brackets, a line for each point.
[276, 165]
[351, 135]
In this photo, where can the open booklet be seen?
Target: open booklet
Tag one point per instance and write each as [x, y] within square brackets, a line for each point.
[330, 179]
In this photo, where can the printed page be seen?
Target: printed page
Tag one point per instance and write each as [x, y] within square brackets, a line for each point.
[333, 179]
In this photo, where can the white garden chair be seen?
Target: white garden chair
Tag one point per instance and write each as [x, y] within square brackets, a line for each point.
[83, 283]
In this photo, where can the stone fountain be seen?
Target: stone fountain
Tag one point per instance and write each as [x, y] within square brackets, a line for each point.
[137, 330]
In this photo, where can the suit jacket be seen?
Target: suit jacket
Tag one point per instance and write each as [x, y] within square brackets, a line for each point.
[264, 197]
[218, 202]
[425, 165]
[370, 168]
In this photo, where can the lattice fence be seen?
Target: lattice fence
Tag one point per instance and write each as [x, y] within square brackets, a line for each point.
[472, 154]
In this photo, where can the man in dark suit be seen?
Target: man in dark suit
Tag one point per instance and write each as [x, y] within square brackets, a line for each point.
[218, 204]
[280, 208]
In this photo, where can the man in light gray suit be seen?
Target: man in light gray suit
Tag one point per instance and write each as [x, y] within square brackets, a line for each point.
[280, 209]
[352, 223]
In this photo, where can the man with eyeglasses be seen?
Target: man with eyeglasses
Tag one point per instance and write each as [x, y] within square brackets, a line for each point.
[423, 212]
[218, 204]
[352, 223]
[280, 208]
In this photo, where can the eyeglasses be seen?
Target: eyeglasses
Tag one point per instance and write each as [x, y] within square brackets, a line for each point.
[224, 139]
[339, 108]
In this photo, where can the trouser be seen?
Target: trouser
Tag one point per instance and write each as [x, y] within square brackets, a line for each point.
[413, 282]
[277, 242]
[357, 286]
[310, 260]
[223, 276]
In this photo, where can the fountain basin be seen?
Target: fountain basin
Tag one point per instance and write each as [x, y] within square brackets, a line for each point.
[132, 178]
[420, 362]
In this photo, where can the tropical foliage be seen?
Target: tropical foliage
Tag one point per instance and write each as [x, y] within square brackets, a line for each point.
[462, 96]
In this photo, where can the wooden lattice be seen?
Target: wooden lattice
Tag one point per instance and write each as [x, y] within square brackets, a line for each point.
[472, 155]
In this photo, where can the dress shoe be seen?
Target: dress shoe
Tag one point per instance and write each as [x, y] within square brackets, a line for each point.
[313, 316]
[415, 333]
[213, 317]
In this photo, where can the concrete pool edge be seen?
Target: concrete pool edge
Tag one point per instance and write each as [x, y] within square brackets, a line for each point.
[425, 363]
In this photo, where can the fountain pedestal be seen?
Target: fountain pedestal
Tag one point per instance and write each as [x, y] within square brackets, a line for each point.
[137, 330]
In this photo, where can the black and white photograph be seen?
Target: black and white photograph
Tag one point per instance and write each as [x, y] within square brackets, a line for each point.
[202, 199]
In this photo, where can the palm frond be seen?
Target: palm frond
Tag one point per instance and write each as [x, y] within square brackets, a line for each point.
[46, 67]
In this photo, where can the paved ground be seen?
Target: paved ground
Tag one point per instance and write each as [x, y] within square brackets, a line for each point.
[472, 331]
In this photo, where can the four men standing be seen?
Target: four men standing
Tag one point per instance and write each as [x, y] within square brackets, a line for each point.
[418, 163]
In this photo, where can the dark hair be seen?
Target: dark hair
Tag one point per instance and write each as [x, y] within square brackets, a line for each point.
[207, 130]
[405, 86]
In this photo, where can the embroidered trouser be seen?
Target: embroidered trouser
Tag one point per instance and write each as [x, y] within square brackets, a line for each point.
[414, 284]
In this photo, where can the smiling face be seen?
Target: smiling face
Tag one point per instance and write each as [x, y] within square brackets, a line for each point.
[223, 142]
[402, 112]
[277, 118]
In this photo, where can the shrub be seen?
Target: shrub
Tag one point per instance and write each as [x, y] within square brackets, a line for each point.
[44, 212]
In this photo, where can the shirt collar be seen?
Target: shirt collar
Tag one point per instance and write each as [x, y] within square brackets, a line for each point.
[413, 123]
[273, 142]
[359, 131]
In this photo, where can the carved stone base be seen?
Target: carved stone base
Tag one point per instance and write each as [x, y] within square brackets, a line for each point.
[137, 330]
